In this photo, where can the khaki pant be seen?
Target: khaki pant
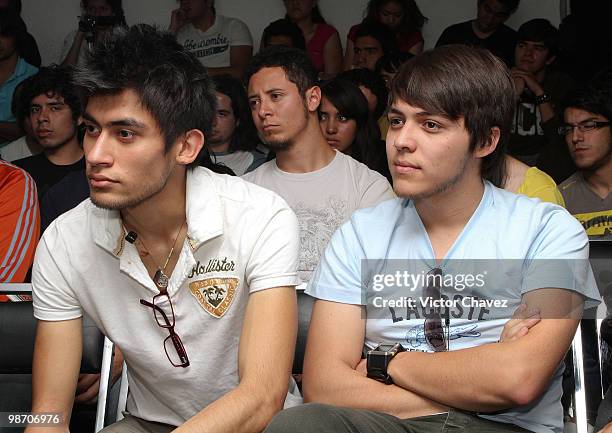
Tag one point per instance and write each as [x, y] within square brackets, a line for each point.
[131, 424]
[320, 418]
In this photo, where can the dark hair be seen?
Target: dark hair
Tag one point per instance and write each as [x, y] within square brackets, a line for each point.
[594, 97]
[540, 30]
[412, 19]
[295, 63]
[245, 135]
[392, 62]
[315, 15]
[459, 81]
[171, 83]
[19, 106]
[511, 5]
[349, 101]
[373, 82]
[284, 27]
[53, 81]
[117, 8]
[14, 5]
[12, 25]
[381, 33]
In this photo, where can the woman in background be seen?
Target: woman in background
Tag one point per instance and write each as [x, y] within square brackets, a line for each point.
[322, 40]
[348, 126]
[402, 17]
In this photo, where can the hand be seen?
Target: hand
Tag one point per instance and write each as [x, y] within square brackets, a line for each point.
[519, 84]
[177, 20]
[87, 388]
[606, 429]
[362, 367]
[518, 326]
[529, 79]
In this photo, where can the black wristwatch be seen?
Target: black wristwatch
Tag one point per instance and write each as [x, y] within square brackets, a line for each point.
[378, 360]
[542, 99]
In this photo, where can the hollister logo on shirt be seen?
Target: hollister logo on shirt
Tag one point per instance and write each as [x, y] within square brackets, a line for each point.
[215, 295]
[213, 265]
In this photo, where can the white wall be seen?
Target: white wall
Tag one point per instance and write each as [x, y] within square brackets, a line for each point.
[50, 20]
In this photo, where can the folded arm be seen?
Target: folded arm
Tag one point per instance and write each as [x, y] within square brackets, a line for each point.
[265, 358]
[335, 344]
[497, 376]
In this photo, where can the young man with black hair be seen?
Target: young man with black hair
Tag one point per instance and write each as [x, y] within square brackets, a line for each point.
[55, 108]
[588, 133]
[487, 30]
[223, 44]
[189, 273]
[372, 41]
[322, 186]
[539, 89]
[450, 118]
[13, 70]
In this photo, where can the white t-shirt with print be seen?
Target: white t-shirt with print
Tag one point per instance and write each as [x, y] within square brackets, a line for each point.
[240, 239]
[323, 200]
[212, 47]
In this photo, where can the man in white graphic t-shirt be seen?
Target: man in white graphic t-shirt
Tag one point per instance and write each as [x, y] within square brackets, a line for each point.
[322, 186]
[223, 44]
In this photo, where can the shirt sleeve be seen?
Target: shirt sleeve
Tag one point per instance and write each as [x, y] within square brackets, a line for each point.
[273, 260]
[559, 257]
[52, 293]
[240, 34]
[19, 225]
[338, 275]
[376, 189]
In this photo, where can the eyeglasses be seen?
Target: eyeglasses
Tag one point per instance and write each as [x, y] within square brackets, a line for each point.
[434, 330]
[589, 125]
[176, 353]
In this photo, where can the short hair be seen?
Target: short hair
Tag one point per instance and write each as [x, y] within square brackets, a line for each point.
[171, 83]
[52, 81]
[117, 8]
[350, 102]
[284, 27]
[245, 136]
[540, 30]
[412, 19]
[459, 81]
[594, 97]
[296, 64]
[381, 33]
[392, 62]
[371, 81]
[511, 5]
[19, 106]
[14, 5]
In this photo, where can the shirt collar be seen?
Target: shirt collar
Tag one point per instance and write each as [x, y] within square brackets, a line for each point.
[203, 209]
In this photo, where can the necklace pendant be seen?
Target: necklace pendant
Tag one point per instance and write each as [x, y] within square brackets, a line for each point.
[161, 280]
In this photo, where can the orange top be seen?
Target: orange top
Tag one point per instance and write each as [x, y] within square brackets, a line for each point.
[19, 223]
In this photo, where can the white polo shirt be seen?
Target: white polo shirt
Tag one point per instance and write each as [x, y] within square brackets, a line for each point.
[240, 237]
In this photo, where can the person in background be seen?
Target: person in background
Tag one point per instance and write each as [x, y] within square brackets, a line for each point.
[372, 41]
[322, 40]
[55, 108]
[387, 66]
[233, 141]
[539, 89]
[98, 18]
[487, 30]
[29, 50]
[347, 125]
[283, 32]
[402, 17]
[13, 70]
[223, 44]
[27, 145]
[19, 223]
[530, 181]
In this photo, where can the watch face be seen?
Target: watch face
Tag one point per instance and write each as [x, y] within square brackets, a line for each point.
[385, 347]
[377, 361]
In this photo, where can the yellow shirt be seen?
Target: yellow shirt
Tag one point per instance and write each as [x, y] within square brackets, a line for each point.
[540, 185]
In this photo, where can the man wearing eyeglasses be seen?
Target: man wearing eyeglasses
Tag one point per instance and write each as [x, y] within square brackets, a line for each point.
[588, 136]
[191, 274]
[436, 369]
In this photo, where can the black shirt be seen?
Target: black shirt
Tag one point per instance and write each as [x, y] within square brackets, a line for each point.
[63, 196]
[501, 43]
[45, 173]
